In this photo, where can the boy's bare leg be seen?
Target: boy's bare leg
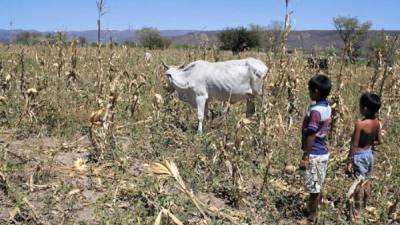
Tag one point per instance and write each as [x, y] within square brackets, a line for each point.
[312, 208]
[315, 200]
[367, 192]
[358, 197]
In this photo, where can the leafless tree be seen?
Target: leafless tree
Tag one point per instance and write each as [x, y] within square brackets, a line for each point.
[100, 12]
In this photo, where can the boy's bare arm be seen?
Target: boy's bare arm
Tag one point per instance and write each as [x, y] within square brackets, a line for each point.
[355, 139]
[310, 139]
[378, 139]
[309, 142]
[310, 130]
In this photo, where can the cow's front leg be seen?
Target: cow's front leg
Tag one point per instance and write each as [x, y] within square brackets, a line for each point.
[251, 108]
[201, 104]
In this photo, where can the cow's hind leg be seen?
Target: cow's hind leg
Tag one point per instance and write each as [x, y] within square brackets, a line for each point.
[251, 108]
[206, 110]
[201, 104]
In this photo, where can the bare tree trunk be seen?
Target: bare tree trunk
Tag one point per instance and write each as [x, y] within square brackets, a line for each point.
[22, 76]
[98, 32]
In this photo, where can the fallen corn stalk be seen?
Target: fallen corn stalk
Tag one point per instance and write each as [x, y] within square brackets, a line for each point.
[169, 168]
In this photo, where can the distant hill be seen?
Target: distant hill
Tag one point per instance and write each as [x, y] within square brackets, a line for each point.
[91, 35]
[297, 39]
[323, 38]
[314, 38]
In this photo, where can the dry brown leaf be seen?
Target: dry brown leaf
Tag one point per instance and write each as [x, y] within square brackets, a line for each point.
[14, 212]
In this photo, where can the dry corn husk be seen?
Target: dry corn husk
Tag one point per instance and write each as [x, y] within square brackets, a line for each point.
[166, 212]
[395, 216]
[174, 218]
[169, 168]
[96, 117]
[31, 91]
[372, 211]
[3, 98]
[290, 169]
[80, 165]
[157, 168]
[280, 184]
[158, 219]
[14, 212]
[159, 99]
[73, 192]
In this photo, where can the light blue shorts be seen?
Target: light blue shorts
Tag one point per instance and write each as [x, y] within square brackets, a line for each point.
[363, 163]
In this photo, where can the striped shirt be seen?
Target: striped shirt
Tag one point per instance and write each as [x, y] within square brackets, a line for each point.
[318, 122]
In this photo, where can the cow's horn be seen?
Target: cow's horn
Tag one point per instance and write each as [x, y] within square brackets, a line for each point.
[182, 65]
[165, 65]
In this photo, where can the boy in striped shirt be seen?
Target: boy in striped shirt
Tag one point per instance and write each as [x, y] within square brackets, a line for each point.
[315, 130]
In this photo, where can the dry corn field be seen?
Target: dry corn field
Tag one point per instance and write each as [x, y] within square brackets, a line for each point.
[91, 136]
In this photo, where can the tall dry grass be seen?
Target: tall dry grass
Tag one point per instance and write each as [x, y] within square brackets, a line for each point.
[239, 171]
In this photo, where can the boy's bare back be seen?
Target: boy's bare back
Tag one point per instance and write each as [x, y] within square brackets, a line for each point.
[366, 134]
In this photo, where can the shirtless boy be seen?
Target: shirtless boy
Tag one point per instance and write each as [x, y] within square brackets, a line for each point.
[360, 161]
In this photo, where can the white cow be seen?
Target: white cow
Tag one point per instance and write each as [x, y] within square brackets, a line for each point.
[148, 57]
[233, 80]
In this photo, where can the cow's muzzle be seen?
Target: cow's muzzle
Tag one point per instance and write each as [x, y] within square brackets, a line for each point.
[169, 88]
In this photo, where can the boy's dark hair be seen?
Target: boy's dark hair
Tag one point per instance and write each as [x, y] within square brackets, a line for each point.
[371, 101]
[321, 83]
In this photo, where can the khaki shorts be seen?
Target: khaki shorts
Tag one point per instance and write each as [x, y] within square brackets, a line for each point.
[314, 175]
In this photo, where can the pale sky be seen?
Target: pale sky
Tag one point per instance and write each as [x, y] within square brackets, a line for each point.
[68, 15]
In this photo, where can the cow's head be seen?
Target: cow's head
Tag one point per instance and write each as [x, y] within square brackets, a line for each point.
[257, 69]
[170, 72]
[259, 73]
